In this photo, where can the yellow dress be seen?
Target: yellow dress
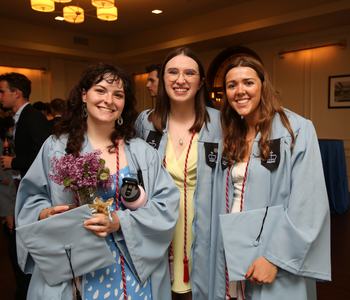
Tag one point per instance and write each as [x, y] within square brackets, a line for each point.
[176, 169]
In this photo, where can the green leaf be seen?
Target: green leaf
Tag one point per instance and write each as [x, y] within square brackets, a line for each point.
[106, 170]
[86, 166]
[103, 176]
[67, 181]
[102, 162]
[86, 175]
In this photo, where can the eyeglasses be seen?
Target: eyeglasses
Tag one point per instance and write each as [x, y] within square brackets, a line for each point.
[174, 74]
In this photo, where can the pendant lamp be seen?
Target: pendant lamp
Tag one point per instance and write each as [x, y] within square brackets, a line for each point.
[105, 10]
[107, 14]
[73, 14]
[103, 3]
[43, 5]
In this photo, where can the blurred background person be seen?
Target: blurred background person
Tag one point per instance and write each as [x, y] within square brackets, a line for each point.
[48, 112]
[7, 185]
[30, 130]
[57, 106]
[44, 108]
[153, 79]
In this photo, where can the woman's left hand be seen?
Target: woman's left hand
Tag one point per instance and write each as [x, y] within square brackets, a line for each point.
[101, 225]
[262, 271]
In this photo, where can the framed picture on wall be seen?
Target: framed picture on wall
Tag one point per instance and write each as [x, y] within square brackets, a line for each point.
[339, 91]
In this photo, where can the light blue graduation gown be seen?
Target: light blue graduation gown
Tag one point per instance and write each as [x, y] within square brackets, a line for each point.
[203, 199]
[146, 232]
[300, 242]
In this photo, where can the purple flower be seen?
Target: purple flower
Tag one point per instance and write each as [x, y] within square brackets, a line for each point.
[86, 170]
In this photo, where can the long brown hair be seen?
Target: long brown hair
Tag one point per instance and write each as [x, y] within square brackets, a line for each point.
[160, 114]
[73, 120]
[234, 128]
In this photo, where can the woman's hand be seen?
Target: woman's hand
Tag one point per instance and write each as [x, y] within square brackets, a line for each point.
[51, 211]
[101, 225]
[262, 271]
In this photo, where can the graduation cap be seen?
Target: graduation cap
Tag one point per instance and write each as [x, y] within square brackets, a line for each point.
[62, 248]
[252, 232]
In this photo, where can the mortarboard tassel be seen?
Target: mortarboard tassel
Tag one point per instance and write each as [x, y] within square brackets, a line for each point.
[185, 269]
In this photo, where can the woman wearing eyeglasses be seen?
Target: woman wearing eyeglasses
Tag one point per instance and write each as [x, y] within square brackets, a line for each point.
[185, 129]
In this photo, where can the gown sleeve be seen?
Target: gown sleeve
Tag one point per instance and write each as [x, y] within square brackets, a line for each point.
[147, 232]
[35, 194]
[300, 243]
[139, 124]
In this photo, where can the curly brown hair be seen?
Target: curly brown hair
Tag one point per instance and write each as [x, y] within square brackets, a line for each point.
[234, 128]
[73, 120]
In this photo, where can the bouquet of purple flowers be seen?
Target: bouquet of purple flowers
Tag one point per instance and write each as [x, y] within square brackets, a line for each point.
[81, 173]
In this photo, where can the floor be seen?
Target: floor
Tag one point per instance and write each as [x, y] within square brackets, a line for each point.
[7, 277]
[339, 288]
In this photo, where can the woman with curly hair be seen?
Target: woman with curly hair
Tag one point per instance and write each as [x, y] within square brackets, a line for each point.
[100, 114]
[273, 186]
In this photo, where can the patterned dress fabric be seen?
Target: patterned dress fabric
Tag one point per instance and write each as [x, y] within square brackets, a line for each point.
[107, 283]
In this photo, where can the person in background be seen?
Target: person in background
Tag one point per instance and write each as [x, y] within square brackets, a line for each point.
[185, 130]
[40, 106]
[57, 106]
[48, 112]
[153, 79]
[44, 108]
[100, 114]
[31, 129]
[7, 185]
[273, 162]
[7, 112]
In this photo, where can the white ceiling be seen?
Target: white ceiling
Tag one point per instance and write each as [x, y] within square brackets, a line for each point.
[138, 36]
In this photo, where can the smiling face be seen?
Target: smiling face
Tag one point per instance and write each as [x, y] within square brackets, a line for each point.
[182, 88]
[243, 90]
[104, 102]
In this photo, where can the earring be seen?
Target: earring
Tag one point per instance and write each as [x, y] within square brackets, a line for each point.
[85, 113]
[242, 117]
[120, 121]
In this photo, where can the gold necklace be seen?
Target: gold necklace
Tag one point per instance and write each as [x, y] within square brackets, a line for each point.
[180, 138]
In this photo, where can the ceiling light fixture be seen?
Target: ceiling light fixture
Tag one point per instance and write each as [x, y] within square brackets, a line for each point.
[42, 5]
[73, 14]
[105, 10]
[62, 1]
[103, 3]
[157, 11]
[107, 14]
